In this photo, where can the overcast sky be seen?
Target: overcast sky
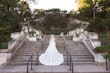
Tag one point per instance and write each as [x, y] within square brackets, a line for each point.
[49, 4]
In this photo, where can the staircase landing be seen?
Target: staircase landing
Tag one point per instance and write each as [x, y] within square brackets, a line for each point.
[54, 69]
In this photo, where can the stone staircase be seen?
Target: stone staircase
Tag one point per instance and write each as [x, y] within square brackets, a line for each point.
[82, 59]
[23, 55]
[80, 54]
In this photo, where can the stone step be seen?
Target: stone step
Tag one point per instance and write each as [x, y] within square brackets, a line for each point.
[26, 51]
[79, 59]
[29, 49]
[35, 58]
[65, 56]
[64, 63]
[79, 54]
[39, 51]
[35, 63]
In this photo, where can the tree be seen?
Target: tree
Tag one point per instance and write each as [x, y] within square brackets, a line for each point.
[7, 14]
[25, 12]
[55, 18]
[9, 18]
[106, 24]
[38, 13]
[96, 26]
[84, 4]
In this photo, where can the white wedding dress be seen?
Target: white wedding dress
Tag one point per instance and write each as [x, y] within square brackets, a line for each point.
[51, 56]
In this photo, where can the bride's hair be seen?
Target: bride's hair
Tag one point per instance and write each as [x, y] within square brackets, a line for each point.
[52, 37]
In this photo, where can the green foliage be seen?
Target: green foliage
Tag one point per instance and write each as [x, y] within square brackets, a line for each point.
[96, 26]
[10, 17]
[104, 38]
[54, 19]
[84, 4]
[102, 49]
[86, 8]
[107, 56]
[56, 32]
[107, 24]
[86, 13]
[38, 13]
[72, 26]
[8, 21]
[3, 46]
[105, 48]
[25, 12]
[100, 25]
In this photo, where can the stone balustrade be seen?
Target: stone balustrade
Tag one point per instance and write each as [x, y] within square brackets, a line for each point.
[7, 54]
[90, 39]
[90, 46]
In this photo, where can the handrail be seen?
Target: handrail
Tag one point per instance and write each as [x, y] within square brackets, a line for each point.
[67, 58]
[42, 44]
[71, 64]
[89, 43]
[64, 46]
[28, 63]
[64, 42]
[37, 58]
[109, 63]
[89, 47]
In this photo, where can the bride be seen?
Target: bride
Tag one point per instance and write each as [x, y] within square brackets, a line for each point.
[51, 55]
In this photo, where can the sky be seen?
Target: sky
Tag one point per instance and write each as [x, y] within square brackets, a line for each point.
[49, 4]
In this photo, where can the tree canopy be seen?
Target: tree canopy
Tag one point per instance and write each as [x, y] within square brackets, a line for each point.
[10, 12]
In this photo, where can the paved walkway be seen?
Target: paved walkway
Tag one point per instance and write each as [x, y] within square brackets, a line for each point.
[61, 68]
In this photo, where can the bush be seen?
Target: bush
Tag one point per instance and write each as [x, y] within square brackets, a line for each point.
[56, 32]
[105, 40]
[4, 46]
[96, 26]
[4, 42]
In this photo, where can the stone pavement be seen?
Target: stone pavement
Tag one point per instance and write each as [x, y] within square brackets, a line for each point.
[61, 68]
[90, 68]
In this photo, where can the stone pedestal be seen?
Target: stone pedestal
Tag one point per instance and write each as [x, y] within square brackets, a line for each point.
[15, 35]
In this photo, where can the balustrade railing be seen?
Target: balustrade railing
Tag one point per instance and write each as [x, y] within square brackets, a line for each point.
[31, 61]
[15, 46]
[28, 63]
[67, 58]
[70, 62]
[18, 44]
[42, 44]
[64, 42]
[37, 60]
[64, 46]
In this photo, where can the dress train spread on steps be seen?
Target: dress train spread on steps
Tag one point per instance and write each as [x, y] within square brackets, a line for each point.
[51, 55]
